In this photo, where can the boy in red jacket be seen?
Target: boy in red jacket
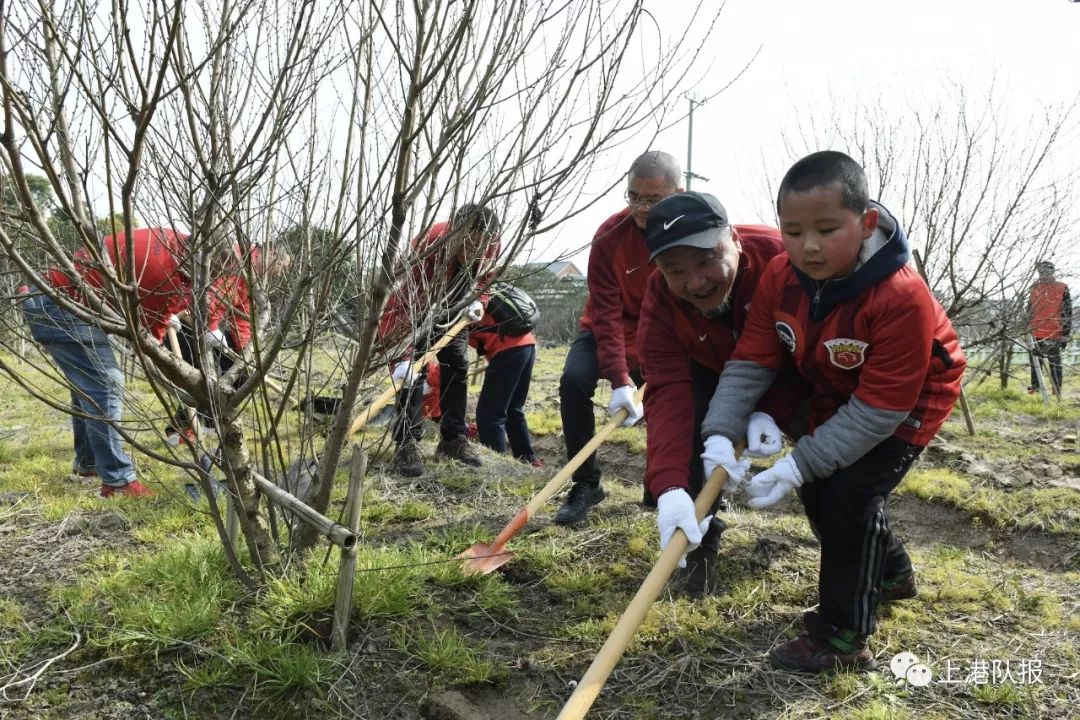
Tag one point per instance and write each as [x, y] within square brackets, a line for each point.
[619, 268]
[885, 366]
[695, 308]
[500, 407]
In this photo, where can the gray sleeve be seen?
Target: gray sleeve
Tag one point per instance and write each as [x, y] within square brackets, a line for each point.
[844, 438]
[741, 385]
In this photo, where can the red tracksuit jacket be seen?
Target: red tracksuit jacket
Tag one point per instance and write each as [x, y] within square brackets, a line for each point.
[619, 269]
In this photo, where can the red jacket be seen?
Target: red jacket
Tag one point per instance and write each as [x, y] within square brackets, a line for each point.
[890, 345]
[432, 276]
[672, 333]
[619, 270]
[164, 289]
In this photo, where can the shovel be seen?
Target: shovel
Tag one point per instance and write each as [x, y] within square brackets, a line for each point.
[385, 399]
[612, 651]
[486, 558]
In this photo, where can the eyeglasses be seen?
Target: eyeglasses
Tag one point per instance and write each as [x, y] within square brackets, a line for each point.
[635, 200]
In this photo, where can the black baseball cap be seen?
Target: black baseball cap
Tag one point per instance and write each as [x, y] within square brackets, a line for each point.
[688, 219]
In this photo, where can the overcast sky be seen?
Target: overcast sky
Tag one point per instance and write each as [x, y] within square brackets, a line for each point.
[814, 52]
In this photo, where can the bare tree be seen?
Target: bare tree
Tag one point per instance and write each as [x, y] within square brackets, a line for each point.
[338, 130]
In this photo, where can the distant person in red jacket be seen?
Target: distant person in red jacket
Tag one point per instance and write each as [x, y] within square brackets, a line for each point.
[228, 325]
[1050, 321]
[695, 308]
[885, 366]
[619, 268]
[500, 407]
[82, 351]
[454, 260]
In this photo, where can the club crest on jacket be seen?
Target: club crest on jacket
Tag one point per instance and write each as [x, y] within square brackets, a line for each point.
[786, 335]
[846, 353]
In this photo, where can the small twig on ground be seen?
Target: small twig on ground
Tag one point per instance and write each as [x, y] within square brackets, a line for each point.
[31, 680]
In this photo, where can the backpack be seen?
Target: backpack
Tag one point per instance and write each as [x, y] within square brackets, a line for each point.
[513, 310]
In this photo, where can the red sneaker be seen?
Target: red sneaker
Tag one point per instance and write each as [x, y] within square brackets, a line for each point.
[471, 430]
[132, 489]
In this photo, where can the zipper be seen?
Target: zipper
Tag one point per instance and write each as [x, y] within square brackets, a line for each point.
[816, 300]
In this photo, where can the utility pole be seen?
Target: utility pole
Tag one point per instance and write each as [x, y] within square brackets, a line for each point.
[690, 174]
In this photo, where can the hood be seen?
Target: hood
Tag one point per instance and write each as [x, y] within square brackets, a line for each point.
[882, 254]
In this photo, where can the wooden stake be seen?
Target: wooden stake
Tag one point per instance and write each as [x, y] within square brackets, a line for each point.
[339, 634]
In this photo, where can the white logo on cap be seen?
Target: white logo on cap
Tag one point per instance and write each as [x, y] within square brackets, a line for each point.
[672, 222]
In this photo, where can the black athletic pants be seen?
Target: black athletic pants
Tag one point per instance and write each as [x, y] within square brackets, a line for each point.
[847, 513]
[1051, 350]
[581, 373]
[500, 408]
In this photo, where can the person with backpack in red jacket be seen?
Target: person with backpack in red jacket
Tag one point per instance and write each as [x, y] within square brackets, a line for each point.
[606, 347]
[506, 340]
[1049, 311]
[885, 366]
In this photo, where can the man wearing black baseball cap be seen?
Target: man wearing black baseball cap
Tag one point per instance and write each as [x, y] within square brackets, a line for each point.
[694, 309]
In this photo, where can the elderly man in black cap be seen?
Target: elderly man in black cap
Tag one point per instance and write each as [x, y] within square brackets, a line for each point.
[693, 312]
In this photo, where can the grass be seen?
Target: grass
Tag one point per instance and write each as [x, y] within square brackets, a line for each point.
[153, 590]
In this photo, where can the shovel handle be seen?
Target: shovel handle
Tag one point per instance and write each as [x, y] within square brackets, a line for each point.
[386, 397]
[578, 460]
[612, 651]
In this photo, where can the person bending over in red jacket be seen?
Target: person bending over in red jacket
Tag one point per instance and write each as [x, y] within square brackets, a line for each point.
[454, 260]
[694, 310]
[885, 366]
[606, 347]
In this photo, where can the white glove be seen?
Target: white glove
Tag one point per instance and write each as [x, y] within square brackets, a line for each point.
[623, 397]
[215, 338]
[719, 452]
[475, 311]
[675, 510]
[763, 437]
[173, 322]
[426, 389]
[770, 486]
[403, 373]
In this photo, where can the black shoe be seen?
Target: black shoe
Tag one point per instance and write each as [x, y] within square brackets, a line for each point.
[459, 449]
[576, 508]
[407, 460]
[699, 575]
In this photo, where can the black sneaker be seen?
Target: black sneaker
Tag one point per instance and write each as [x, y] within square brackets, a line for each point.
[699, 575]
[899, 588]
[407, 460]
[459, 449]
[578, 501]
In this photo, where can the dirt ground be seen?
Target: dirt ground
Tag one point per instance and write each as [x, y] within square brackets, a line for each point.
[65, 679]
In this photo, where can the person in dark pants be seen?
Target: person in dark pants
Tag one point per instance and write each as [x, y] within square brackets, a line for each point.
[453, 260]
[619, 268]
[885, 366]
[500, 407]
[1050, 322]
[695, 307]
